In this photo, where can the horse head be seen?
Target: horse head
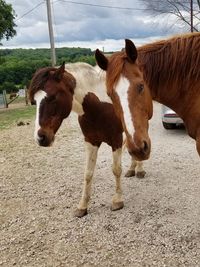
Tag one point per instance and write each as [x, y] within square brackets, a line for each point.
[130, 96]
[52, 90]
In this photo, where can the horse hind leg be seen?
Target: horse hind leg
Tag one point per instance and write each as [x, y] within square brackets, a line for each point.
[91, 157]
[117, 200]
[136, 168]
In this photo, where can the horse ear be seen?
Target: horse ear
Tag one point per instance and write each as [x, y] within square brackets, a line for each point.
[131, 50]
[59, 72]
[101, 60]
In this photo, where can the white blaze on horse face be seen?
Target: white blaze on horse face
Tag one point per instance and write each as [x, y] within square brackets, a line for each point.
[122, 91]
[39, 96]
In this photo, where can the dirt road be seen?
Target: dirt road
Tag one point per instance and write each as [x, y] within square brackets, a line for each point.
[40, 188]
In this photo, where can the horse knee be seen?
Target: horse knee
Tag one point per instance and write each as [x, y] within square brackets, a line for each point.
[88, 175]
[116, 166]
[117, 170]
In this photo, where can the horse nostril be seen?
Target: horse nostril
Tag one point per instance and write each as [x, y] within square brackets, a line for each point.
[42, 139]
[145, 147]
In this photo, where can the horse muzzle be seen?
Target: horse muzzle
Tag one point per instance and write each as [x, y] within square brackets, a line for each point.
[140, 151]
[44, 138]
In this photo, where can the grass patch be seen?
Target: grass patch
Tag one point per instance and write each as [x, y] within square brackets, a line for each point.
[20, 100]
[10, 117]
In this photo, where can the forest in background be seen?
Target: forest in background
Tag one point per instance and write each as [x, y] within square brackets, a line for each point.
[17, 66]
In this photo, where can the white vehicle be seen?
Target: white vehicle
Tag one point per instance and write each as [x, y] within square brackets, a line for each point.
[170, 119]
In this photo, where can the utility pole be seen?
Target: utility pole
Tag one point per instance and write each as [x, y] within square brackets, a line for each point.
[51, 37]
[191, 15]
[198, 2]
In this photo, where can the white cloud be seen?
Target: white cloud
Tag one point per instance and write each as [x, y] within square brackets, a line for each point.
[81, 23]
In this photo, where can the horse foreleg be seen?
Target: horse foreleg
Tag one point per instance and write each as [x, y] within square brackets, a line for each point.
[136, 168]
[117, 201]
[131, 170]
[91, 157]
[140, 172]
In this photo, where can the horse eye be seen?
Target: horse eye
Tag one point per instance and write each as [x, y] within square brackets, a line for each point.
[140, 87]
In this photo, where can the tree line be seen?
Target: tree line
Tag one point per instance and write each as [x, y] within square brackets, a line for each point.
[17, 66]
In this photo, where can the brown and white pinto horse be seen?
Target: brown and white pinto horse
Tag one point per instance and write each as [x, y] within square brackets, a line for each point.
[130, 96]
[57, 92]
[171, 69]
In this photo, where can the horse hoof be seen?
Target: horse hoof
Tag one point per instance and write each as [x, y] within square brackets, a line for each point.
[117, 206]
[80, 213]
[130, 173]
[140, 174]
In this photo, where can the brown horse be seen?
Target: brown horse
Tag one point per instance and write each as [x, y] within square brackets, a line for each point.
[171, 69]
[130, 95]
[175, 79]
[57, 92]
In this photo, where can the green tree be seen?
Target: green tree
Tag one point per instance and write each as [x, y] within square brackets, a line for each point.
[9, 87]
[7, 25]
[17, 66]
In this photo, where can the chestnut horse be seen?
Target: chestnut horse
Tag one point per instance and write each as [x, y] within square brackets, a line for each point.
[129, 93]
[171, 69]
[57, 92]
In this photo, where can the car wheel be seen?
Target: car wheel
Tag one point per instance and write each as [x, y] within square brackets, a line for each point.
[168, 126]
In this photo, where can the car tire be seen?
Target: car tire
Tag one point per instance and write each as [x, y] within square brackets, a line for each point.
[168, 126]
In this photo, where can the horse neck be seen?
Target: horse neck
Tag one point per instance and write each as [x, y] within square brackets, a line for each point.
[87, 81]
[172, 71]
[166, 92]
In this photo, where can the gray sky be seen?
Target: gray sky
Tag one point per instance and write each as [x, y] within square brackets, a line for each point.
[84, 25]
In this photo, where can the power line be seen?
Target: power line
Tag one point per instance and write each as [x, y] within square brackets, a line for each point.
[89, 4]
[31, 10]
[111, 7]
[101, 6]
[79, 3]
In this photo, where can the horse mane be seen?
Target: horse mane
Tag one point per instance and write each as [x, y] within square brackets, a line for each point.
[38, 81]
[175, 60]
[115, 68]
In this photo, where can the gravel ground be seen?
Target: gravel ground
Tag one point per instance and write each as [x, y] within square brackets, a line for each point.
[41, 187]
